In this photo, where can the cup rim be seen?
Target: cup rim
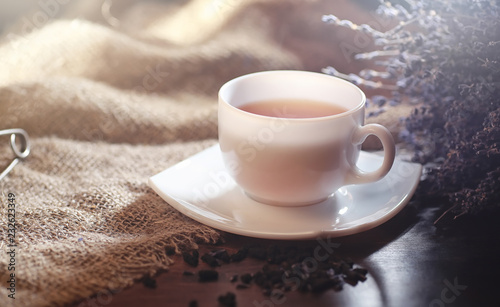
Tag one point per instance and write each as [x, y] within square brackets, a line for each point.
[349, 112]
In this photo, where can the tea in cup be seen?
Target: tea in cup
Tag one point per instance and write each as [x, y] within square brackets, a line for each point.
[292, 138]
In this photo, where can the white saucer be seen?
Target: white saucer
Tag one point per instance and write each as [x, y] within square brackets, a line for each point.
[200, 188]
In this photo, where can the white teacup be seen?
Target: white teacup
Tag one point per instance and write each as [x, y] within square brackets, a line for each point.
[285, 161]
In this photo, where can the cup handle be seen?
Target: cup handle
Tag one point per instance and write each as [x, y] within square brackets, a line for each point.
[356, 175]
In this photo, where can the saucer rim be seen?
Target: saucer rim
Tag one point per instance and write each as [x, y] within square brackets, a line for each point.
[182, 206]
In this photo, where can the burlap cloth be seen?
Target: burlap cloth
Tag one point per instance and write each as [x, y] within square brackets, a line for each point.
[113, 94]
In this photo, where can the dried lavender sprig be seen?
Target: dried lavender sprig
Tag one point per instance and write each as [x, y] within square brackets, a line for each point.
[400, 27]
[332, 19]
[358, 80]
[375, 54]
[398, 41]
[386, 9]
[370, 73]
[403, 11]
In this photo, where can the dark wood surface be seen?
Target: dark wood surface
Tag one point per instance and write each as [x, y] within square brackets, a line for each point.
[410, 263]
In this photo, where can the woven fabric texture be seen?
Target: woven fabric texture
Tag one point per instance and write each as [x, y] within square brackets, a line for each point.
[111, 94]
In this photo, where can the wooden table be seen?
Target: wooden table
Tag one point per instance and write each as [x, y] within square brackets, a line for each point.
[410, 263]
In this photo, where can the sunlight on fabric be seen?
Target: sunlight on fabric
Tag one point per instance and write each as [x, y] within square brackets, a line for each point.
[41, 53]
[195, 21]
